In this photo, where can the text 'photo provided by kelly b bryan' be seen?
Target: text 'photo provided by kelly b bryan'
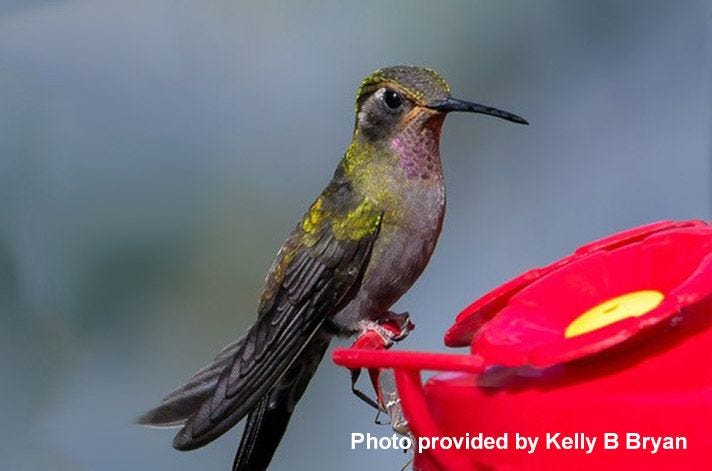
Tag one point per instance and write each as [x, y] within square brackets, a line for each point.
[551, 441]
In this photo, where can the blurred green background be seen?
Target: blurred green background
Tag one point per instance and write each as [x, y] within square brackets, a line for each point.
[154, 154]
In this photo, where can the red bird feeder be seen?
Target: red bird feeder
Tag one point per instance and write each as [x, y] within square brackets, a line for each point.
[602, 358]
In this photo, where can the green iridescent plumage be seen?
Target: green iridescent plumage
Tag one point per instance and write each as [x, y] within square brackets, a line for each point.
[424, 86]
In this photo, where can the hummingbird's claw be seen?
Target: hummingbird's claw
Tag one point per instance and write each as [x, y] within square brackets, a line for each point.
[399, 320]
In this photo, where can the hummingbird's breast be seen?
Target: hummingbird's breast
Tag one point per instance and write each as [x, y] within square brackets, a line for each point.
[412, 197]
[409, 233]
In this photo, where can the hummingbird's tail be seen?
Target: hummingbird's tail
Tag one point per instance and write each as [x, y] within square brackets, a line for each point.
[267, 421]
[177, 407]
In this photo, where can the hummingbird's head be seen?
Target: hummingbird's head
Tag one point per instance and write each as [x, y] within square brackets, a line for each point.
[393, 99]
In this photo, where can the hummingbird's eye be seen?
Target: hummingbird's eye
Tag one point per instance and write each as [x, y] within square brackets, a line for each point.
[392, 99]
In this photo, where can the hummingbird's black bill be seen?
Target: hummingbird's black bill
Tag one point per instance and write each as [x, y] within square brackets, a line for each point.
[453, 104]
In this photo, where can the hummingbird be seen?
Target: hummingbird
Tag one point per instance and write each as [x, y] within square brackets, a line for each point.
[359, 247]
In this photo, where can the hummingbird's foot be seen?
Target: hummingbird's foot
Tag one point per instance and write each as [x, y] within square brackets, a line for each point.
[400, 321]
[379, 334]
[389, 328]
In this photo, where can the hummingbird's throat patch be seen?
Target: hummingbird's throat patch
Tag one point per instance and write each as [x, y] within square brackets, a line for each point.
[417, 147]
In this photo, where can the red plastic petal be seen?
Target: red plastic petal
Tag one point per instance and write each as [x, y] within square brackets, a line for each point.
[529, 329]
[473, 317]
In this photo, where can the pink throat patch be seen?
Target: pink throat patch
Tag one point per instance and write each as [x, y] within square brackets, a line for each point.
[418, 153]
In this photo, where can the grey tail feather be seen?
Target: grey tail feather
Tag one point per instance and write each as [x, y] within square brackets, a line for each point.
[268, 420]
[177, 407]
[260, 437]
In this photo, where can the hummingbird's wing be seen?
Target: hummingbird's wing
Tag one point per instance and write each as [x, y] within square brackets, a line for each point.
[177, 406]
[315, 280]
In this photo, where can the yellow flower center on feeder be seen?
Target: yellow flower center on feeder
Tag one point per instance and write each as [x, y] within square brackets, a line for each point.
[633, 304]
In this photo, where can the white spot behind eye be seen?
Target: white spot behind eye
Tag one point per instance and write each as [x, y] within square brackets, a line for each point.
[378, 94]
